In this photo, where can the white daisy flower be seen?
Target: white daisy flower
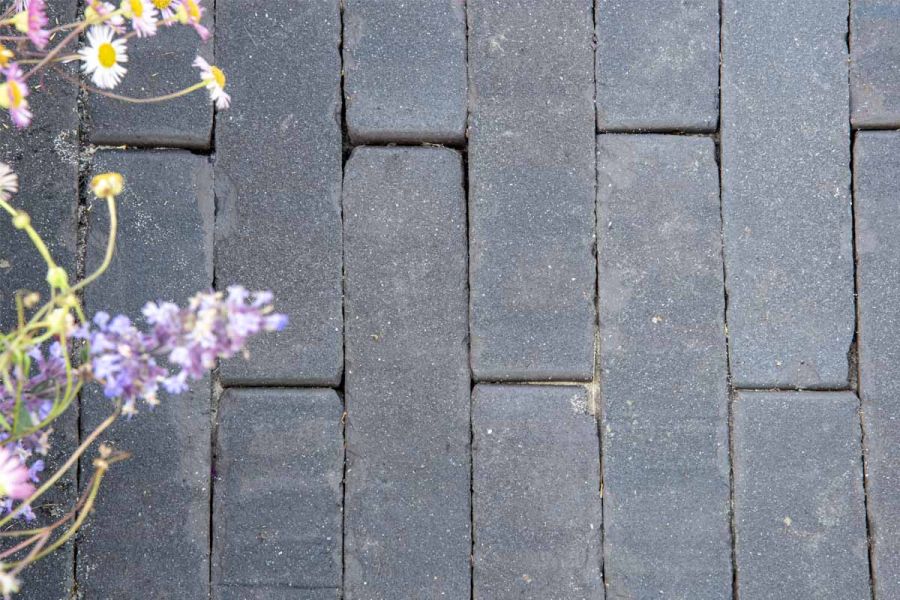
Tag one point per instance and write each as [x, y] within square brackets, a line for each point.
[103, 57]
[9, 182]
[142, 15]
[214, 79]
[167, 9]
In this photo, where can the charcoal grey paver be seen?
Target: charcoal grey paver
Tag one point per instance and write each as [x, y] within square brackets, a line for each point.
[278, 182]
[45, 156]
[800, 520]
[274, 593]
[536, 493]
[405, 70]
[156, 66]
[531, 186]
[152, 515]
[407, 528]
[657, 65]
[785, 192]
[875, 63]
[277, 504]
[664, 369]
[876, 165]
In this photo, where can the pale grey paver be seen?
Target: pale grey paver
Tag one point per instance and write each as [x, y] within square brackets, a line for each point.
[405, 70]
[45, 157]
[657, 65]
[875, 63]
[664, 369]
[156, 66]
[531, 189]
[785, 192]
[407, 523]
[876, 163]
[278, 183]
[152, 515]
[799, 511]
[536, 493]
[277, 504]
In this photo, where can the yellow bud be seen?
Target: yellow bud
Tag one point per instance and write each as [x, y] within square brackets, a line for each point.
[5, 55]
[21, 220]
[107, 185]
[31, 299]
[21, 21]
[57, 277]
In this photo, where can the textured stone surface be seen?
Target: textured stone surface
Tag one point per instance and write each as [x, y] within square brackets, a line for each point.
[274, 593]
[531, 189]
[405, 70]
[664, 369]
[876, 163]
[278, 183]
[785, 192]
[657, 65]
[800, 518]
[152, 515]
[156, 66]
[536, 493]
[277, 505]
[45, 156]
[407, 528]
[875, 63]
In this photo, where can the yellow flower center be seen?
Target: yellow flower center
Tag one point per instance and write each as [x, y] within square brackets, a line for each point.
[137, 8]
[162, 4]
[15, 94]
[218, 76]
[106, 55]
[193, 10]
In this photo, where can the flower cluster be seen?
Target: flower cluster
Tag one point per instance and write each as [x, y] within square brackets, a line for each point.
[213, 326]
[103, 58]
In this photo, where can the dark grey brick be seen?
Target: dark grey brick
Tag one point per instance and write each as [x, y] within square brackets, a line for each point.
[876, 164]
[158, 65]
[875, 63]
[405, 70]
[785, 192]
[657, 65]
[277, 506]
[800, 519]
[149, 533]
[274, 593]
[531, 186]
[407, 530]
[664, 369]
[536, 493]
[278, 182]
[45, 156]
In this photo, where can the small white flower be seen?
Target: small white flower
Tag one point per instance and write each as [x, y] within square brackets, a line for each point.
[9, 584]
[103, 57]
[214, 79]
[142, 15]
[9, 182]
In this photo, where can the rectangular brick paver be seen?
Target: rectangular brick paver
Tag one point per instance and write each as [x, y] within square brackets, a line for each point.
[800, 518]
[45, 157]
[664, 369]
[278, 182]
[657, 65]
[531, 186]
[785, 192]
[405, 70]
[536, 493]
[277, 505]
[874, 60]
[152, 515]
[156, 66]
[876, 165]
[407, 528]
